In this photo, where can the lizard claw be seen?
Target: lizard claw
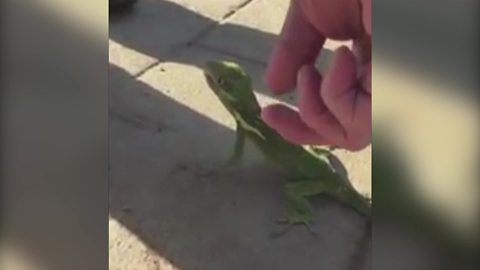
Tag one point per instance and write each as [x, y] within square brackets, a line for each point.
[310, 229]
[282, 221]
[289, 225]
[281, 232]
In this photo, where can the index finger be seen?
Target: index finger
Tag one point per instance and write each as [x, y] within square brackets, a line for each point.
[298, 45]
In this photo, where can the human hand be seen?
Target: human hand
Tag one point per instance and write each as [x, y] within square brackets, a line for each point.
[336, 109]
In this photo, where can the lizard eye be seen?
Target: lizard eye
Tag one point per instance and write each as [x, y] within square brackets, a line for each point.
[220, 81]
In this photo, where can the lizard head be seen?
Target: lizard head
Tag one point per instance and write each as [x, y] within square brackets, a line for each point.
[233, 87]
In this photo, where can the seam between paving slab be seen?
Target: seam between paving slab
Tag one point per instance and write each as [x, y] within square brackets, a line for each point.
[223, 19]
[240, 57]
[147, 125]
[198, 36]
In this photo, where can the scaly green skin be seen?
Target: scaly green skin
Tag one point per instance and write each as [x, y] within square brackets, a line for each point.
[309, 173]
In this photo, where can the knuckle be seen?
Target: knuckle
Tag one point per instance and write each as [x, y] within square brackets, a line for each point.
[357, 144]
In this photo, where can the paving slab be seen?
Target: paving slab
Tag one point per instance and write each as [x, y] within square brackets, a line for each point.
[155, 28]
[150, 31]
[169, 138]
[252, 31]
[359, 168]
[172, 203]
[214, 9]
[126, 251]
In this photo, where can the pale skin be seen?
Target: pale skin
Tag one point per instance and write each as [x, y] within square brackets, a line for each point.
[333, 108]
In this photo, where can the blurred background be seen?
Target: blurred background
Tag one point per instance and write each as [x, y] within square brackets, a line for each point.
[425, 80]
[54, 135]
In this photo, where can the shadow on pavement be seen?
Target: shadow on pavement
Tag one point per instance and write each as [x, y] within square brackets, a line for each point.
[192, 214]
[162, 29]
[165, 183]
[167, 186]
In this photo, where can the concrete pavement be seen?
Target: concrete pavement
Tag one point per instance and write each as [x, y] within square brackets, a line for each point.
[171, 207]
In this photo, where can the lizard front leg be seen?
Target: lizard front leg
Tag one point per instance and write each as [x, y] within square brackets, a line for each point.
[239, 146]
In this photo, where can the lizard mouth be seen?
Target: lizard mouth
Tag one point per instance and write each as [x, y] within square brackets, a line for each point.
[211, 81]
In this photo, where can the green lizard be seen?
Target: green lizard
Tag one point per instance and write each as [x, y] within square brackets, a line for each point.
[309, 171]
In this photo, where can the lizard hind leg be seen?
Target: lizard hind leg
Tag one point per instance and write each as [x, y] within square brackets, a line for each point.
[294, 218]
[299, 212]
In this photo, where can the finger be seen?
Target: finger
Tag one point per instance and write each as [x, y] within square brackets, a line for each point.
[367, 78]
[288, 124]
[313, 111]
[350, 105]
[362, 49]
[336, 19]
[299, 44]
[337, 87]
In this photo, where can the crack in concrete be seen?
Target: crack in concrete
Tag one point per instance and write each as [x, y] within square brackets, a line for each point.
[138, 122]
[223, 19]
[235, 9]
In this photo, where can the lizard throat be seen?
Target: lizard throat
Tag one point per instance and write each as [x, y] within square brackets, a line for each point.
[245, 125]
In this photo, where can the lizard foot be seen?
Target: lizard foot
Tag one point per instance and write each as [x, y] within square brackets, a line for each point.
[288, 225]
